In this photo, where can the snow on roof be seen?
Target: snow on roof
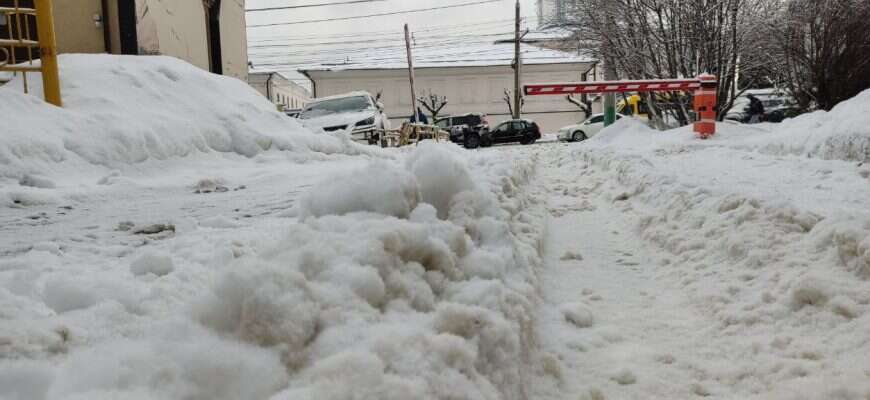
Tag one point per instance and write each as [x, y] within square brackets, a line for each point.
[477, 55]
[342, 96]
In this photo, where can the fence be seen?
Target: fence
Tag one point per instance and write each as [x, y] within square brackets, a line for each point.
[21, 53]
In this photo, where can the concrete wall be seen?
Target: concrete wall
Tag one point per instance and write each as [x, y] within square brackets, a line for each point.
[173, 28]
[234, 39]
[468, 89]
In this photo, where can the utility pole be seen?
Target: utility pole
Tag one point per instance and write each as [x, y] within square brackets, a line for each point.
[411, 73]
[518, 65]
[609, 68]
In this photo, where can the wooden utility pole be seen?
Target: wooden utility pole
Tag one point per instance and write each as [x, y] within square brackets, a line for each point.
[518, 65]
[411, 73]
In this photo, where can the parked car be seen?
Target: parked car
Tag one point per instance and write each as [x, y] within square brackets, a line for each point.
[584, 130]
[357, 113]
[777, 106]
[464, 126]
[523, 131]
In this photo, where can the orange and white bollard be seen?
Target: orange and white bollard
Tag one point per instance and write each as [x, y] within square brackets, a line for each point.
[705, 106]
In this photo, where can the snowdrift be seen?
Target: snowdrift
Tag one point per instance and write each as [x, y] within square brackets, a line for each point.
[122, 110]
[768, 228]
[840, 134]
[422, 287]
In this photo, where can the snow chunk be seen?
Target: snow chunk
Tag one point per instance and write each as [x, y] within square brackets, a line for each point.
[441, 174]
[379, 188]
[624, 376]
[810, 291]
[578, 314]
[36, 182]
[63, 294]
[152, 263]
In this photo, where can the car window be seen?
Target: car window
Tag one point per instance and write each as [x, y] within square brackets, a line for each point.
[597, 119]
[519, 125]
[443, 123]
[336, 106]
[503, 127]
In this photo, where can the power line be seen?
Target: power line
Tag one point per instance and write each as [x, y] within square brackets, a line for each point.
[453, 28]
[419, 10]
[310, 5]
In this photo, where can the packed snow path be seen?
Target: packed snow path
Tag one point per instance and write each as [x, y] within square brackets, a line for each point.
[641, 301]
[609, 325]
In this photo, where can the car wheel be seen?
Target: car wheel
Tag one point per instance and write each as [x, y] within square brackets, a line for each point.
[472, 141]
[578, 136]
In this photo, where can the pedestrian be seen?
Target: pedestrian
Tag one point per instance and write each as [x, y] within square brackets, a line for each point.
[756, 109]
[421, 117]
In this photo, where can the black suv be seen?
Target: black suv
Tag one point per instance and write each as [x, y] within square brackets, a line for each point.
[515, 130]
[466, 129]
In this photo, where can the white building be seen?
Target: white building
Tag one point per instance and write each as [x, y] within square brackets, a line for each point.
[475, 84]
[279, 89]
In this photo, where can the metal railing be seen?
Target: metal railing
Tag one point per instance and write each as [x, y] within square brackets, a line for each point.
[18, 29]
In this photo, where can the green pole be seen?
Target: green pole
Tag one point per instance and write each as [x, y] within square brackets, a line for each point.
[609, 109]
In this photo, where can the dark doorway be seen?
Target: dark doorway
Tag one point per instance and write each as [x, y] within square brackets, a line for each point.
[213, 31]
[127, 27]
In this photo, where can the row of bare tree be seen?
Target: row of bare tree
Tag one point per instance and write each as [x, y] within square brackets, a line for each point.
[818, 49]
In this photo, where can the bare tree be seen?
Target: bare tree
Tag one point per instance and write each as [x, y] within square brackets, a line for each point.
[584, 106]
[649, 39]
[433, 103]
[509, 100]
[821, 49]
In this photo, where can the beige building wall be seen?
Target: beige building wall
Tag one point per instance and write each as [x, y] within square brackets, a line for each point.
[173, 28]
[234, 39]
[77, 30]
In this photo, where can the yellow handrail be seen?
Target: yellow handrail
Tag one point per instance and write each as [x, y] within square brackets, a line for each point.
[47, 45]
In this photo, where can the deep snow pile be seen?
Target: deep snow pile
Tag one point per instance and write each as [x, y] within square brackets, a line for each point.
[840, 134]
[122, 110]
[405, 278]
[775, 246]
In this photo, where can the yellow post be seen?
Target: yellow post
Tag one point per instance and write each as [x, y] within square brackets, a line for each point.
[48, 52]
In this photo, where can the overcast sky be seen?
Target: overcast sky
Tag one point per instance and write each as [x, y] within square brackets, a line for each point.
[283, 47]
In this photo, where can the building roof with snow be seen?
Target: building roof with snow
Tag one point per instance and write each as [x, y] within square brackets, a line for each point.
[478, 55]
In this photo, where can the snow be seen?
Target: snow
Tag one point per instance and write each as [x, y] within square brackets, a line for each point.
[315, 268]
[733, 267]
[125, 110]
[636, 264]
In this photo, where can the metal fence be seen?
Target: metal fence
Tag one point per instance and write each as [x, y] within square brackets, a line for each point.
[21, 52]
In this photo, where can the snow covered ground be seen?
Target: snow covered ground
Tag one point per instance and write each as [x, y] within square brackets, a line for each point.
[732, 268]
[169, 235]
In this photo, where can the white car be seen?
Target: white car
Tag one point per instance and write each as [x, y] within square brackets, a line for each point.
[357, 113]
[584, 130]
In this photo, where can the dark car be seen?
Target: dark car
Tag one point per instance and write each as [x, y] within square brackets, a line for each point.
[464, 129]
[516, 130]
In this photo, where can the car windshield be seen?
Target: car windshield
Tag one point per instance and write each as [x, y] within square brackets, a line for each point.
[336, 106]
[470, 120]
